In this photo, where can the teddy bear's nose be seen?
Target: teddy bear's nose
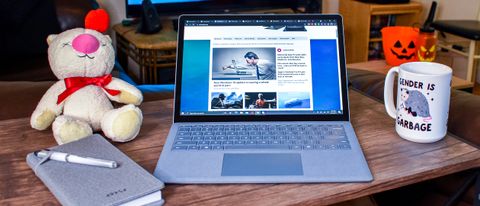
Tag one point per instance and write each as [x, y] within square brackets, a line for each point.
[85, 43]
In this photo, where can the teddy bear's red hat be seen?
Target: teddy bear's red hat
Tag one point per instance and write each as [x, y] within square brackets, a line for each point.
[97, 20]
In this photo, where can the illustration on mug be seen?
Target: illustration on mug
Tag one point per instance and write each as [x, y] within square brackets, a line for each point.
[415, 104]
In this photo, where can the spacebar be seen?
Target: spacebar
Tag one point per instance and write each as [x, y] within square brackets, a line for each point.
[257, 147]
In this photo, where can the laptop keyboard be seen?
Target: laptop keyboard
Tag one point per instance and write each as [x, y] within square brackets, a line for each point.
[263, 137]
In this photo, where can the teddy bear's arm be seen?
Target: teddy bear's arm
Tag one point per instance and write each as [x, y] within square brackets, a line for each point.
[47, 109]
[128, 93]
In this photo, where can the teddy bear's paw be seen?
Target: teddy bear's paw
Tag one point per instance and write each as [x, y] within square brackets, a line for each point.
[42, 121]
[122, 124]
[67, 129]
[129, 98]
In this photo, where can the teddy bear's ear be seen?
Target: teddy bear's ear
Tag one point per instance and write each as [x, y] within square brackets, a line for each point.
[109, 39]
[50, 38]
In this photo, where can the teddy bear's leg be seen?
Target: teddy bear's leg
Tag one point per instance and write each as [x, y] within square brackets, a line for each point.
[122, 124]
[67, 129]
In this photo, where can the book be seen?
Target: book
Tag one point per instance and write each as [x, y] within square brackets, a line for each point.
[375, 51]
[77, 184]
[377, 22]
[392, 20]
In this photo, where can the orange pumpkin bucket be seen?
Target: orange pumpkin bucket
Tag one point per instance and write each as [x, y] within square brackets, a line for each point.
[399, 44]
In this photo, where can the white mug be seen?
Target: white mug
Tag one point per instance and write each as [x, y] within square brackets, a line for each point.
[423, 99]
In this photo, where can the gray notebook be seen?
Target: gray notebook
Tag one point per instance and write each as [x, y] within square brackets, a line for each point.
[75, 184]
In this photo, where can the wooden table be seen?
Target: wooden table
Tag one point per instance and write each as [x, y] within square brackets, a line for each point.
[381, 66]
[150, 51]
[393, 161]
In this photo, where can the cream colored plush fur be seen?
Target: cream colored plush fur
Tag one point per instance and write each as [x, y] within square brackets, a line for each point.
[88, 109]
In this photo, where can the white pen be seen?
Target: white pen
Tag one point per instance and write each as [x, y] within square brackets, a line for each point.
[65, 157]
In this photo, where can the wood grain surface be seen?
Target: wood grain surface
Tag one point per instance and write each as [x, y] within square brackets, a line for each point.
[393, 161]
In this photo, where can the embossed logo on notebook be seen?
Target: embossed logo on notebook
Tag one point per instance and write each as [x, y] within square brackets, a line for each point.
[110, 194]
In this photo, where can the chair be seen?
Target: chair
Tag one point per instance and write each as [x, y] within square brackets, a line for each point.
[467, 29]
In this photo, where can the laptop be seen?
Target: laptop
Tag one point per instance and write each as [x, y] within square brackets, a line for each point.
[261, 99]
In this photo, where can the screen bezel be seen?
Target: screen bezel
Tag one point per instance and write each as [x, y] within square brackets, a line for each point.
[229, 118]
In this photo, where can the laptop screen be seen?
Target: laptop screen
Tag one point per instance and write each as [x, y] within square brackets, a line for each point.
[234, 66]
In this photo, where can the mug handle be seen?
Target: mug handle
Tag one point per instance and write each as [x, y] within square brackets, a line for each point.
[388, 92]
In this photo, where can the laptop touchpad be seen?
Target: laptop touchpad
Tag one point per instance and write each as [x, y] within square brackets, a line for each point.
[262, 164]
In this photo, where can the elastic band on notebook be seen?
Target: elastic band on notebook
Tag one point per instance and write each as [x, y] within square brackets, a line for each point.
[43, 160]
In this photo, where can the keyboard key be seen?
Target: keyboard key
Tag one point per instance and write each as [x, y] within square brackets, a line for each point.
[216, 142]
[307, 142]
[296, 147]
[243, 133]
[233, 137]
[197, 138]
[269, 138]
[180, 147]
[197, 133]
[184, 138]
[205, 147]
[222, 138]
[308, 147]
[282, 137]
[256, 137]
[185, 142]
[238, 142]
[321, 147]
[332, 146]
[184, 133]
[291, 132]
[204, 142]
[209, 138]
[277, 142]
[217, 147]
[192, 147]
[335, 137]
[231, 133]
[254, 133]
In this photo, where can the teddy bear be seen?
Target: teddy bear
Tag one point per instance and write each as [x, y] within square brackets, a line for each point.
[80, 102]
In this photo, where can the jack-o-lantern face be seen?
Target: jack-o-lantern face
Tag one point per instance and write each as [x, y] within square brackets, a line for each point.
[426, 54]
[403, 51]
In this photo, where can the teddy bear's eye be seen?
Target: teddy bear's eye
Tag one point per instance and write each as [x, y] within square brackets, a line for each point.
[104, 44]
[66, 44]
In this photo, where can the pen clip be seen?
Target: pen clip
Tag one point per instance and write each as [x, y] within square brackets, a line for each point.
[43, 160]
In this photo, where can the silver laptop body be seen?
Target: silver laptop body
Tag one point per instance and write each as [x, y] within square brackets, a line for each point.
[261, 99]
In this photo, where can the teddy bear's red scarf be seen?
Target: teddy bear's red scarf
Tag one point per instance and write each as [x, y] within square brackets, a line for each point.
[73, 84]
